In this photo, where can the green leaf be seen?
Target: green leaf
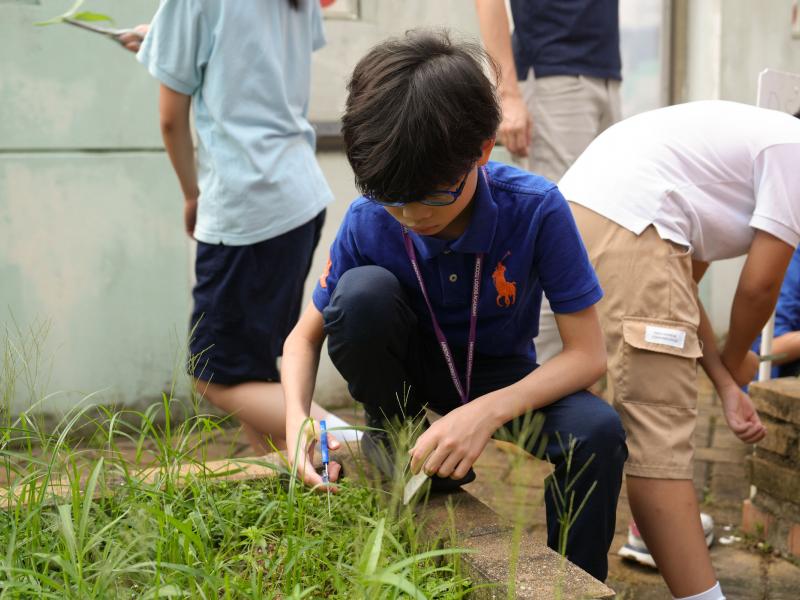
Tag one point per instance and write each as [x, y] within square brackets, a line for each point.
[164, 591]
[88, 500]
[67, 529]
[91, 16]
[397, 582]
[376, 540]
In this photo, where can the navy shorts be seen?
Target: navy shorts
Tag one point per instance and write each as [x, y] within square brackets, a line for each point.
[246, 301]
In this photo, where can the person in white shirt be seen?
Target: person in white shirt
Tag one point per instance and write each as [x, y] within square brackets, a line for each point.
[658, 197]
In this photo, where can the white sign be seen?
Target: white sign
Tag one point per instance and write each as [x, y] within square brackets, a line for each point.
[665, 336]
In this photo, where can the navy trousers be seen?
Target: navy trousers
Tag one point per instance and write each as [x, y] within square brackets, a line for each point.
[376, 344]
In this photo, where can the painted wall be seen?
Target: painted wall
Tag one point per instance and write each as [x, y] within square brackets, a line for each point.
[91, 243]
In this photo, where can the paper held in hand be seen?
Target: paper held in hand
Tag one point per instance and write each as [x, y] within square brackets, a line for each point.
[413, 485]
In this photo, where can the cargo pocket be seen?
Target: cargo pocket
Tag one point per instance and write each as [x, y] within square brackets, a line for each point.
[659, 363]
[657, 402]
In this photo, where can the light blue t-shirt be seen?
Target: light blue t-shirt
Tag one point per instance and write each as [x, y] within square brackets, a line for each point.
[246, 64]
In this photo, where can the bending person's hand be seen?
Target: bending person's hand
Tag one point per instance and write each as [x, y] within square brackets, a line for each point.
[741, 415]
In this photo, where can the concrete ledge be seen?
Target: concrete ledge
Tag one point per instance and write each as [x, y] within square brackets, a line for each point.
[541, 573]
[780, 481]
[778, 398]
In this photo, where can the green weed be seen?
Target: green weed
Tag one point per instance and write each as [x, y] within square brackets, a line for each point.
[119, 519]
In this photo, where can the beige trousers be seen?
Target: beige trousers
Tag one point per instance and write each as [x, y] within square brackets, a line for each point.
[568, 112]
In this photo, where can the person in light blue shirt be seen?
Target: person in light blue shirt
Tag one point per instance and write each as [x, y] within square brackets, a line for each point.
[255, 201]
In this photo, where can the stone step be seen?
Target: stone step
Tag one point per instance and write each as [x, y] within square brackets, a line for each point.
[500, 553]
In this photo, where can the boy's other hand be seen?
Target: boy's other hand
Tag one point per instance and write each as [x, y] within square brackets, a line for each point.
[515, 128]
[453, 443]
[741, 415]
[133, 40]
[301, 439]
[190, 215]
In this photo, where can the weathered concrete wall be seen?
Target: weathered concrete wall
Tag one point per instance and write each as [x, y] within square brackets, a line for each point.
[774, 513]
[90, 222]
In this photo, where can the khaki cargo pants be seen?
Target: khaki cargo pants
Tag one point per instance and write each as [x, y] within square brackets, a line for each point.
[649, 315]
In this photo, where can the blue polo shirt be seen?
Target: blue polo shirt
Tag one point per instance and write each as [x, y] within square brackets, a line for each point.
[522, 224]
[566, 37]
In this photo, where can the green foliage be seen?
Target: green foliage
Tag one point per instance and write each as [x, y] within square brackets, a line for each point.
[114, 533]
[75, 15]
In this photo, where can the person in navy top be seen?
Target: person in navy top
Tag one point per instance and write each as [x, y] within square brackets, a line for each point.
[560, 76]
[786, 344]
[431, 294]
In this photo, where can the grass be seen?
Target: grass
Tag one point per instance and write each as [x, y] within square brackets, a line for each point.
[127, 522]
[220, 540]
[118, 530]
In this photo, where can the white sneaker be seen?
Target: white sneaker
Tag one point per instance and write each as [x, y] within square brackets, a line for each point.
[637, 551]
[708, 528]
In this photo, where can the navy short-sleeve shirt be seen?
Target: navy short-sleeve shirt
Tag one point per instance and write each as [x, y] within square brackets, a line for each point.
[525, 229]
[567, 37]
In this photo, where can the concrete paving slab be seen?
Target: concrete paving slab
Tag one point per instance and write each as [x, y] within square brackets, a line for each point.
[741, 573]
[540, 572]
[783, 580]
[461, 514]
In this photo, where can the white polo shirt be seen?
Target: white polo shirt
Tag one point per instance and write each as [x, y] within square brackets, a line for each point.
[704, 174]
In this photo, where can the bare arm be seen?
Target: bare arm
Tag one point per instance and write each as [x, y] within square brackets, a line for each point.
[737, 407]
[453, 443]
[298, 375]
[515, 128]
[787, 346]
[711, 360]
[581, 362]
[174, 109]
[756, 295]
[300, 361]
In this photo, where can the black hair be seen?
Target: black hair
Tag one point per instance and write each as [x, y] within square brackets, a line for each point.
[418, 109]
[295, 4]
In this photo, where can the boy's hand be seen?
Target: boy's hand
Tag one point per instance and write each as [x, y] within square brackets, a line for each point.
[190, 215]
[744, 372]
[740, 414]
[301, 438]
[453, 443]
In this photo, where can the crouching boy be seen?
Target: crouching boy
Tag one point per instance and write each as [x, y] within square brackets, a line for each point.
[434, 284]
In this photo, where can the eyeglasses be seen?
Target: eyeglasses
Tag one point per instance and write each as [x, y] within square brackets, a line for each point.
[438, 198]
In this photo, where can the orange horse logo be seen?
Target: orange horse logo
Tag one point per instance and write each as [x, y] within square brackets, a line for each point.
[323, 279]
[506, 290]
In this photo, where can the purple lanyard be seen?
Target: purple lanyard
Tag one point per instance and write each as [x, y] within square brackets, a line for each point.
[463, 391]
